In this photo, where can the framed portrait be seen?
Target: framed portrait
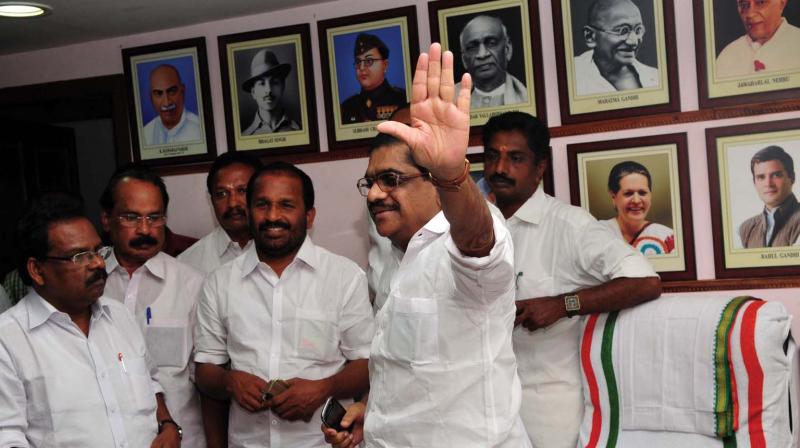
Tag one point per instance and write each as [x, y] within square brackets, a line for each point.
[367, 63]
[755, 214]
[476, 166]
[617, 61]
[494, 42]
[747, 51]
[639, 189]
[268, 90]
[170, 104]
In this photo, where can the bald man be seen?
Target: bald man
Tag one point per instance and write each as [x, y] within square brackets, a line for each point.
[485, 52]
[174, 124]
[613, 33]
[770, 42]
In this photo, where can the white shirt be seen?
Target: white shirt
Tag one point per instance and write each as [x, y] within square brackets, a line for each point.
[5, 301]
[306, 323]
[187, 130]
[59, 387]
[589, 80]
[559, 248]
[212, 251]
[169, 289]
[442, 368]
[778, 54]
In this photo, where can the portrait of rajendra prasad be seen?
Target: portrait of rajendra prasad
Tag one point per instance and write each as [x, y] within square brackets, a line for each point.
[486, 49]
[613, 34]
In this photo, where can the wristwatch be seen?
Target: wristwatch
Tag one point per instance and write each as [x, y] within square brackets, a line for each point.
[572, 303]
[167, 421]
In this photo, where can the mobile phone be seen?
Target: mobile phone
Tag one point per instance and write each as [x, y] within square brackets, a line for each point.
[332, 415]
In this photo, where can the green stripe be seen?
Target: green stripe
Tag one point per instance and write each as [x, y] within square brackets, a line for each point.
[611, 379]
[729, 442]
[723, 401]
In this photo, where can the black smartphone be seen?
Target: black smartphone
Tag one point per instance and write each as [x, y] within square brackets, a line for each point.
[332, 415]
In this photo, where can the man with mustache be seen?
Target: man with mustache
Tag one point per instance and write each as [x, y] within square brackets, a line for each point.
[486, 51]
[266, 85]
[567, 264]
[613, 33]
[778, 225]
[442, 367]
[158, 290]
[769, 44]
[74, 368]
[174, 123]
[286, 309]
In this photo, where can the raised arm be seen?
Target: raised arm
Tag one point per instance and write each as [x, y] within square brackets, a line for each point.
[438, 138]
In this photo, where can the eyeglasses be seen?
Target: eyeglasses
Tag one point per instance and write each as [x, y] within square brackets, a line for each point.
[133, 220]
[622, 31]
[387, 181]
[367, 62]
[84, 258]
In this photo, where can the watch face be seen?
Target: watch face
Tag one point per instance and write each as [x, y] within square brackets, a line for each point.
[572, 303]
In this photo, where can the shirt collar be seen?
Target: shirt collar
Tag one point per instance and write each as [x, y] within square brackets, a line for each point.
[156, 265]
[40, 310]
[532, 210]
[259, 122]
[222, 241]
[307, 254]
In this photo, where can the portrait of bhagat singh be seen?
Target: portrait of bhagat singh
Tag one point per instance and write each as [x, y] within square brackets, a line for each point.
[378, 99]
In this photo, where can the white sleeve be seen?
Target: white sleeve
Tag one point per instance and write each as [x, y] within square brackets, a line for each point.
[13, 423]
[605, 256]
[356, 322]
[210, 335]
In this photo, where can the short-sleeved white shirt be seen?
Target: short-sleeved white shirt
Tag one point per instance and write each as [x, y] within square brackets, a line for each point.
[212, 251]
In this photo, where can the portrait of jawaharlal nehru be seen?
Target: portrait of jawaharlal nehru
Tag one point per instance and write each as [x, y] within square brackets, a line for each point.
[377, 99]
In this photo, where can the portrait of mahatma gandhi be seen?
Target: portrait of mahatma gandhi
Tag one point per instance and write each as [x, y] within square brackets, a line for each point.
[378, 99]
[486, 50]
[778, 224]
[613, 33]
[769, 43]
[174, 123]
[266, 86]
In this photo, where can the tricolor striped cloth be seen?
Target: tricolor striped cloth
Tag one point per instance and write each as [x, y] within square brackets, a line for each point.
[711, 367]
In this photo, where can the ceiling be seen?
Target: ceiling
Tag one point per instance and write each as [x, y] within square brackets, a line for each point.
[75, 21]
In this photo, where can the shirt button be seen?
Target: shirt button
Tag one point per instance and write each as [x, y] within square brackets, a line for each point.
[112, 409]
[274, 422]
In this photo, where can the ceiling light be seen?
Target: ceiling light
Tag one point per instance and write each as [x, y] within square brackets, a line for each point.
[23, 9]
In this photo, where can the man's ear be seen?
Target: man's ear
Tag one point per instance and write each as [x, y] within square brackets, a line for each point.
[105, 220]
[541, 167]
[589, 36]
[35, 271]
[310, 215]
[509, 50]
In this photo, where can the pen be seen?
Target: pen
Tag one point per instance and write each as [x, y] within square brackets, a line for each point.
[122, 361]
[516, 280]
[148, 315]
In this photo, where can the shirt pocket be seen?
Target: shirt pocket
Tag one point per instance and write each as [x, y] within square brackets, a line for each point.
[413, 330]
[137, 376]
[535, 286]
[315, 334]
[169, 341]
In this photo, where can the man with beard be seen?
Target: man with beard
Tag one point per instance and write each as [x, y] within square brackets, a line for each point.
[442, 367]
[485, 52]
[613, 33]
[74, 368]
[174, 123]
[288, 310]
[158, 290]
[227, 185]
[266, 85]
[567, 264]
[769, 44]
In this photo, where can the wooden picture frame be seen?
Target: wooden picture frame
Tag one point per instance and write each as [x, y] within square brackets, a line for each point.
[276, 114]
[666, 208]
[352, 111]
[731, 78]
[170, 103]
[734, 222]
[511, 27]
[587, 95]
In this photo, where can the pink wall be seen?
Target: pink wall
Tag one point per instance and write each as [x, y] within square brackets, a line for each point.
[340, 225]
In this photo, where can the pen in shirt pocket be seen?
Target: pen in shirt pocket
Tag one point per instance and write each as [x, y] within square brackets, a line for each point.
[122, 362]
[148, 315]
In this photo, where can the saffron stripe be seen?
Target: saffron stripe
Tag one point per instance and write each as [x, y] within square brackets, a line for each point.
[591, 380]
[755, 375]
[723, 408]
[611, 379]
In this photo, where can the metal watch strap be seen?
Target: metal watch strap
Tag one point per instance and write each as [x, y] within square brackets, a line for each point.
[454, 184]
[161, 424]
